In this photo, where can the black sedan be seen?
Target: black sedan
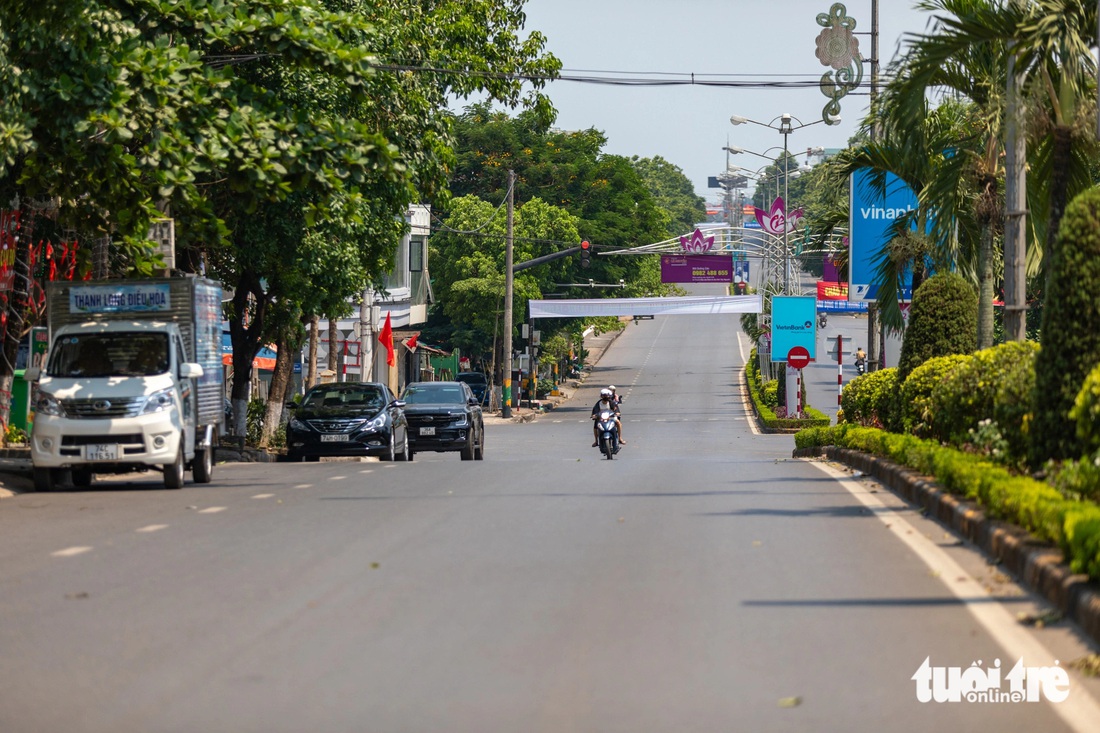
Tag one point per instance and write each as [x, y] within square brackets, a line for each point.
[348, 419]
[445, 416]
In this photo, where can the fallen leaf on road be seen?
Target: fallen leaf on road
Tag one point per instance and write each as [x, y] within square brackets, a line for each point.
[77, 596]
[1039, 620]
[756, 543]
[790, 702]
[1089, 665]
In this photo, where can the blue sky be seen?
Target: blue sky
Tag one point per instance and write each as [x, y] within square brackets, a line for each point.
[689, 125]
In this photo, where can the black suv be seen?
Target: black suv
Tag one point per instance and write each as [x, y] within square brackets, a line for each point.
[445, 416]
[479, 385]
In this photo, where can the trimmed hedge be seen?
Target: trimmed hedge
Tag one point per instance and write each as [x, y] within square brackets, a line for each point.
[969, 393]
[869, 399]
[916, 393]
[1038, 507]
[943, 319]
[1086, 412]
[1071, 330]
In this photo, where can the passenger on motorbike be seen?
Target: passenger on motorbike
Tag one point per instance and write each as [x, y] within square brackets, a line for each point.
[606, 403]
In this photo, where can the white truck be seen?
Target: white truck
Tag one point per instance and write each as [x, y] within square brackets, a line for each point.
[132, 380]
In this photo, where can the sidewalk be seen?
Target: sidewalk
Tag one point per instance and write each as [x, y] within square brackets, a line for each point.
[597, 346]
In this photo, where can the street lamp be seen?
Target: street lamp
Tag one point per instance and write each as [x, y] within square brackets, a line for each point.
[786, 127]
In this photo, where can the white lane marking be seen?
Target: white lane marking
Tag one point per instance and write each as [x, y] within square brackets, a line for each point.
[1080, 711]
[70, 551]
[337, 478]
[263, 496]
[212, 510]
[303, 486]
[367, 470]
[152, 528]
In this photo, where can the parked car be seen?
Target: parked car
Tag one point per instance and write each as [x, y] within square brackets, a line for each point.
[348, 419]
[445, 416]
[479, 385]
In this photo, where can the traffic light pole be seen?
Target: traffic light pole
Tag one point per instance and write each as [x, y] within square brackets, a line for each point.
[506, 380]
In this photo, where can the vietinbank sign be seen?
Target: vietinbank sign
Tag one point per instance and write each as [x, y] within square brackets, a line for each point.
[794, 318]
[871, 217]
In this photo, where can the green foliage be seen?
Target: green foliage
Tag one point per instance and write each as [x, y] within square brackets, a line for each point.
[869, 399]
[916, 393]
[254, 422]
[970, 393]
[1086, 411]
[673, 192]
[942, 321]
[1077, 479]
[1071, 331]
[1036, 506]
[765, 400]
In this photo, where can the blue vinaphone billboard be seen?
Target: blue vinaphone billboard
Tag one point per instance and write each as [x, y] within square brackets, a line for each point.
[794, 318]
[871, 217]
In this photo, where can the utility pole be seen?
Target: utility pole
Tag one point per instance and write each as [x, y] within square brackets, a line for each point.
[1015, 208]
[872, 309]
[506, 382]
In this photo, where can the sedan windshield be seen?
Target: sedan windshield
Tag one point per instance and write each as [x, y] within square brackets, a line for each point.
[438, 393]
[114, 354]
[353, 396]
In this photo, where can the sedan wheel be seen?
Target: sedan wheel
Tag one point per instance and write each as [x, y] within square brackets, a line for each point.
[391, 454]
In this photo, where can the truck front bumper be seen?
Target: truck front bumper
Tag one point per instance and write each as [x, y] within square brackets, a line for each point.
[146, 440]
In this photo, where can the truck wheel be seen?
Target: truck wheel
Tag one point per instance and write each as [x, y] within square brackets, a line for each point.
[468, 449]
[479, 451]
[202, 467]
[45, 479]
[173, 472]
[82, 477]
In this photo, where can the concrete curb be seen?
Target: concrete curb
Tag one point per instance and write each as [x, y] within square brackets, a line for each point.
[1039, 566]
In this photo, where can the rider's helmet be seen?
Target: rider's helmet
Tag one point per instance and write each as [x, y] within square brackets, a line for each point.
[612, 388]
[605, 392]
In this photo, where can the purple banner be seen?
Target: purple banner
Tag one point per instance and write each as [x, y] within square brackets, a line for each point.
[696, 268]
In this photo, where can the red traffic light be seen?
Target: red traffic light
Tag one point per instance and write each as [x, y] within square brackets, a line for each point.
[585, 253]
[585, 244]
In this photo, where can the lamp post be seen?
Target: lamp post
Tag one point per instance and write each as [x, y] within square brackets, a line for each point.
[786, 127]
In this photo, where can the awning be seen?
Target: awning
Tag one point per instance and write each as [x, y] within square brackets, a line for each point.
[265, 359]
[691, 305]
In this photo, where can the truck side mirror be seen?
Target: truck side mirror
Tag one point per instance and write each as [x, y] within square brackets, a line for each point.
[190, 370]
[32, 374]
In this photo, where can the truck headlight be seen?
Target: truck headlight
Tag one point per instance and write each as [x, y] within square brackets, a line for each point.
[158, 402]
[47, 404]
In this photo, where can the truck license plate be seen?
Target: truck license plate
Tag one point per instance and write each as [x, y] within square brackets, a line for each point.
[334, 438]
[427, 431]
[101, 452]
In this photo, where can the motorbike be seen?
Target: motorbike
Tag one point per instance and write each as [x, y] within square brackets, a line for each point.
[861, 366]
[822, 320]
[608, 432]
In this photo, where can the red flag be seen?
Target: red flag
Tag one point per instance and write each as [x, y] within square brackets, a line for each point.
[385, 337]
[410, 343]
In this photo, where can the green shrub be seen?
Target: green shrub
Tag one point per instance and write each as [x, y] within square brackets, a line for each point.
[1036, 506]
[943, 319]
[14, 435]
[869, 399]
[916, 393]
[968, 393]
[1086, 411]
[1077, 479]
[1012, 404]
[768, 416]
[1071, 331]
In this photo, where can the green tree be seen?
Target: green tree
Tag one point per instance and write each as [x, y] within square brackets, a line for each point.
[673, 192]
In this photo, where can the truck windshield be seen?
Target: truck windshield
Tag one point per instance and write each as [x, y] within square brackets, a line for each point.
[121, 354]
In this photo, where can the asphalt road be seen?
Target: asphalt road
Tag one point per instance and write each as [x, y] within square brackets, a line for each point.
[701, 581]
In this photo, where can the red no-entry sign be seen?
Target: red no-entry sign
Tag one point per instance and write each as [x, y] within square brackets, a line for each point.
[798, 357]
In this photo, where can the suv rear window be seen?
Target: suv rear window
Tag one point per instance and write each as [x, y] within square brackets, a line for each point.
[472, 378]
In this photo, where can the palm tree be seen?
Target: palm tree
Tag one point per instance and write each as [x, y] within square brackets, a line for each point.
[920, 155]
[974, 74]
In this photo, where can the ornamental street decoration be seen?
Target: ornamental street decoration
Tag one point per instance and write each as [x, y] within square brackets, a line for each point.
[777, 221]
[697, 243]
[838, 48]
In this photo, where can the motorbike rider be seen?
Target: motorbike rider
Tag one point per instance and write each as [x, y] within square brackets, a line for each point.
[618, 400]
[861, 360]
[606, 403]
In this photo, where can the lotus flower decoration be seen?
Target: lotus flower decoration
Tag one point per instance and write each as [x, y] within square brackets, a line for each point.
[696, 243]
[777, 221]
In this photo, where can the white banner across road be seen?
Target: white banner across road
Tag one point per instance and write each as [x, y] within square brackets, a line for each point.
[692, 305]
